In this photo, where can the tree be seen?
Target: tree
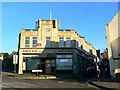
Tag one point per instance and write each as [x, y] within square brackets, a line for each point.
[13, 53]
[5, 55]
[105, 55]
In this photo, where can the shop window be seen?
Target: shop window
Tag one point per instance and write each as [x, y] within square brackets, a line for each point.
[64, 56]
[63, 64]
[59, 56]
[31, 63]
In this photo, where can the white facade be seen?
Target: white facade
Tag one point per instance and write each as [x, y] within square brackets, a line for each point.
[113, 40]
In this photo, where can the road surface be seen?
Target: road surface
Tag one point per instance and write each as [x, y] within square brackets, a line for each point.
[13, 82]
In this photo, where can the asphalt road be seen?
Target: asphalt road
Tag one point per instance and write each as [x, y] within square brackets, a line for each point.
[12, 82]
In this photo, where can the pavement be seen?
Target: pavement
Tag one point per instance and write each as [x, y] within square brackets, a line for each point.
[99, 83]
[104, 83]
[11, 82]
[28, 76]
[68, 77]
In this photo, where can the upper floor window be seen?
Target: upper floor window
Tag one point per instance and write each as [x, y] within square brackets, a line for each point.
[68, 42]
[27, 42]
[67, 30]
[61, 30]
[34, 42]
[47, 41]
[77, 44]
[61, 42]
[27, 30]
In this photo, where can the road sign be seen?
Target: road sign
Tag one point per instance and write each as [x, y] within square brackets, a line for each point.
[15, 59]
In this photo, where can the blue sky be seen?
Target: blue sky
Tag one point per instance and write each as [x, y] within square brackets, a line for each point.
[88, 19]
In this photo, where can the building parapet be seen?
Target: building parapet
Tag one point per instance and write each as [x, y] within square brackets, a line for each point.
[28, 30]
[65, 30]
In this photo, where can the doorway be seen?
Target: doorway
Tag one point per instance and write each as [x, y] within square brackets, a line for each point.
[42, 66]
[50, 67]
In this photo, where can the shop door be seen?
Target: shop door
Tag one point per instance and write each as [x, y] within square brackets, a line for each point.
[50, 66]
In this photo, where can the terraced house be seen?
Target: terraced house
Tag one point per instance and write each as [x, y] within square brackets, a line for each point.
[54, 50]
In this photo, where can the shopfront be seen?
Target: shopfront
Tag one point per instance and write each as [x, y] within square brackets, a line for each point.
[62, 64]
[32, 62]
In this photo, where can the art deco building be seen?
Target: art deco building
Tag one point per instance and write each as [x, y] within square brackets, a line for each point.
[54, 50]
[113, 39]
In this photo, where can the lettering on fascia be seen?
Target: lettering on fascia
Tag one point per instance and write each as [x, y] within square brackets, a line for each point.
[34, 50]
[29, 50]
[25, 50]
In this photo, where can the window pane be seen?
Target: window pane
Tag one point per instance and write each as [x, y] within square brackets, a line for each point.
[61, 30]
[47, 41]
[68, 56]
[68, 42]
[64, 64]
[59, 56]
[77, 44]
[64, 56]
[34, 42]
[27, 41]
[61, 42]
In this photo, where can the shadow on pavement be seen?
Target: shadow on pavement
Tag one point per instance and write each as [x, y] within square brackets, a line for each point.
[7, 69]
[106, 79]
[75, 77]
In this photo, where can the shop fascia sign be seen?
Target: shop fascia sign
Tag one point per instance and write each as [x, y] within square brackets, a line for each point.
[31, 51]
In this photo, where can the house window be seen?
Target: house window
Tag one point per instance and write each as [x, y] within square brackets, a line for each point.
[61, 30]
[68, 42]
[34, 42]
[27, 42]
[77, 44]
[47, 41]
[61, 42]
